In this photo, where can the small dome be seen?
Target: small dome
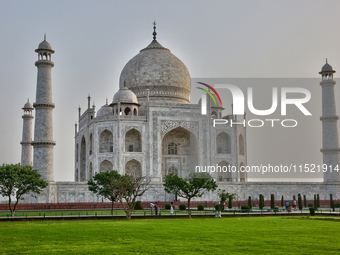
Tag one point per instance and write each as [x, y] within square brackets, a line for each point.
[326, 68]
[212, 103]
[28, 105]
[124, 95]
[104, 111]
[44, 45]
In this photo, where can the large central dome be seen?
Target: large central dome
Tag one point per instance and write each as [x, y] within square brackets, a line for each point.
[156, 69]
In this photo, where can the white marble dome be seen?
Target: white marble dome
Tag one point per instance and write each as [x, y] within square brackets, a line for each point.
[156, 69]
[28, 105]
[44, 45]
[326, 68]
[104, 111]
[125, 95]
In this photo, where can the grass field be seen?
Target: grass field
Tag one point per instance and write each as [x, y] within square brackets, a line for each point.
[252, 235]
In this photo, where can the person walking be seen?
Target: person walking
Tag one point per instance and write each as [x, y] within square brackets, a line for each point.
[151, 206]
[287, 205]
[294, 205]
[171, 208]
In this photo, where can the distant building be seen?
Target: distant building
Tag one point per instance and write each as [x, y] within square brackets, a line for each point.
[151, 129]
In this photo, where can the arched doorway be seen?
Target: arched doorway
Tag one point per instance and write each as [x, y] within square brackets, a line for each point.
[179, 152]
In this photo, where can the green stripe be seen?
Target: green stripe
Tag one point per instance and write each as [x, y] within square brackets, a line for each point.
[207, 91]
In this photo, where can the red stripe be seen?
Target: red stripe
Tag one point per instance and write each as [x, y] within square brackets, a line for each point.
[212, 90]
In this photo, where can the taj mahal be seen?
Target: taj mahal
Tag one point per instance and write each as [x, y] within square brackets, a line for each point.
[150, 128]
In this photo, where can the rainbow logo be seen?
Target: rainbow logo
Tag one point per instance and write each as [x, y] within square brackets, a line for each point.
[209, 93]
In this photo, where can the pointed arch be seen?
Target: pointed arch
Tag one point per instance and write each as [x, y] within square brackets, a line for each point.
[133, 141]
[243, 175]
[91, 145]
[241, 144]
[105, 166]
[223, 143]
[83, 160]
[224, 175]
[179, 151]
[90, 171]
[133, 167]
[105, 141]
[77, 152]
[76, 175]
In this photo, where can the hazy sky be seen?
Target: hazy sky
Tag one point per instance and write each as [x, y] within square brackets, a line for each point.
[93, 40]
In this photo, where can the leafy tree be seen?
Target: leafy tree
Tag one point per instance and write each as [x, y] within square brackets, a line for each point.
[194, 186]
[16, 180]
[105, 184]
[130, 187]
[116, 187]
[224, 196]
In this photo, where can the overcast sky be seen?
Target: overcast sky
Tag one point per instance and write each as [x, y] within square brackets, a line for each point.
[93, 40]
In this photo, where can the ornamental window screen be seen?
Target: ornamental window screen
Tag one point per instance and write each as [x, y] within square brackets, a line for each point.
[172, 170]
[172, 148]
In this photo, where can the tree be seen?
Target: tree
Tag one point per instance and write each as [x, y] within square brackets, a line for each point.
[116, 187]
[194, 186]
[129, 188]
[16, 180]
[282, 203]
[272, 201]
[224, 196]
[300, 201]
[249, 202]
[105, 184]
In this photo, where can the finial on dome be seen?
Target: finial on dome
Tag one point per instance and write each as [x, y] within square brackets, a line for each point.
[44, 37]
[106, 102]
[154, 30]
[326, 61]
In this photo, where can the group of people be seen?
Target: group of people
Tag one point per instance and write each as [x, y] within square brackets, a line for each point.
[156, 207]
[294, 205]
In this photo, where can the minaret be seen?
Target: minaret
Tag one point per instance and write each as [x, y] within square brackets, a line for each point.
[27, 134]
[330, 142]
[43, 129]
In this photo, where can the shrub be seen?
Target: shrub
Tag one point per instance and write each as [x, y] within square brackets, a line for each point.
[310, 205]
[304, 201]
[337, 205]
[138, 205]
[300, 201]
[200, 207]
[217, 205]
[245, 207]
[167, 206]
[182, 207]
[249, 201]
[272, 201]
[312, 211]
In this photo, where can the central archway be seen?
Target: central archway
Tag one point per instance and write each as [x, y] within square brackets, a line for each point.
[179, 152]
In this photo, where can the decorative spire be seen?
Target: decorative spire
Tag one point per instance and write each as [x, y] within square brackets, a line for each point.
[326, 61]
[154, 30]
[106, 102]
[44, 37]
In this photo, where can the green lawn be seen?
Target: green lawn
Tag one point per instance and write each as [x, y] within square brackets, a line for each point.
[252, 235]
